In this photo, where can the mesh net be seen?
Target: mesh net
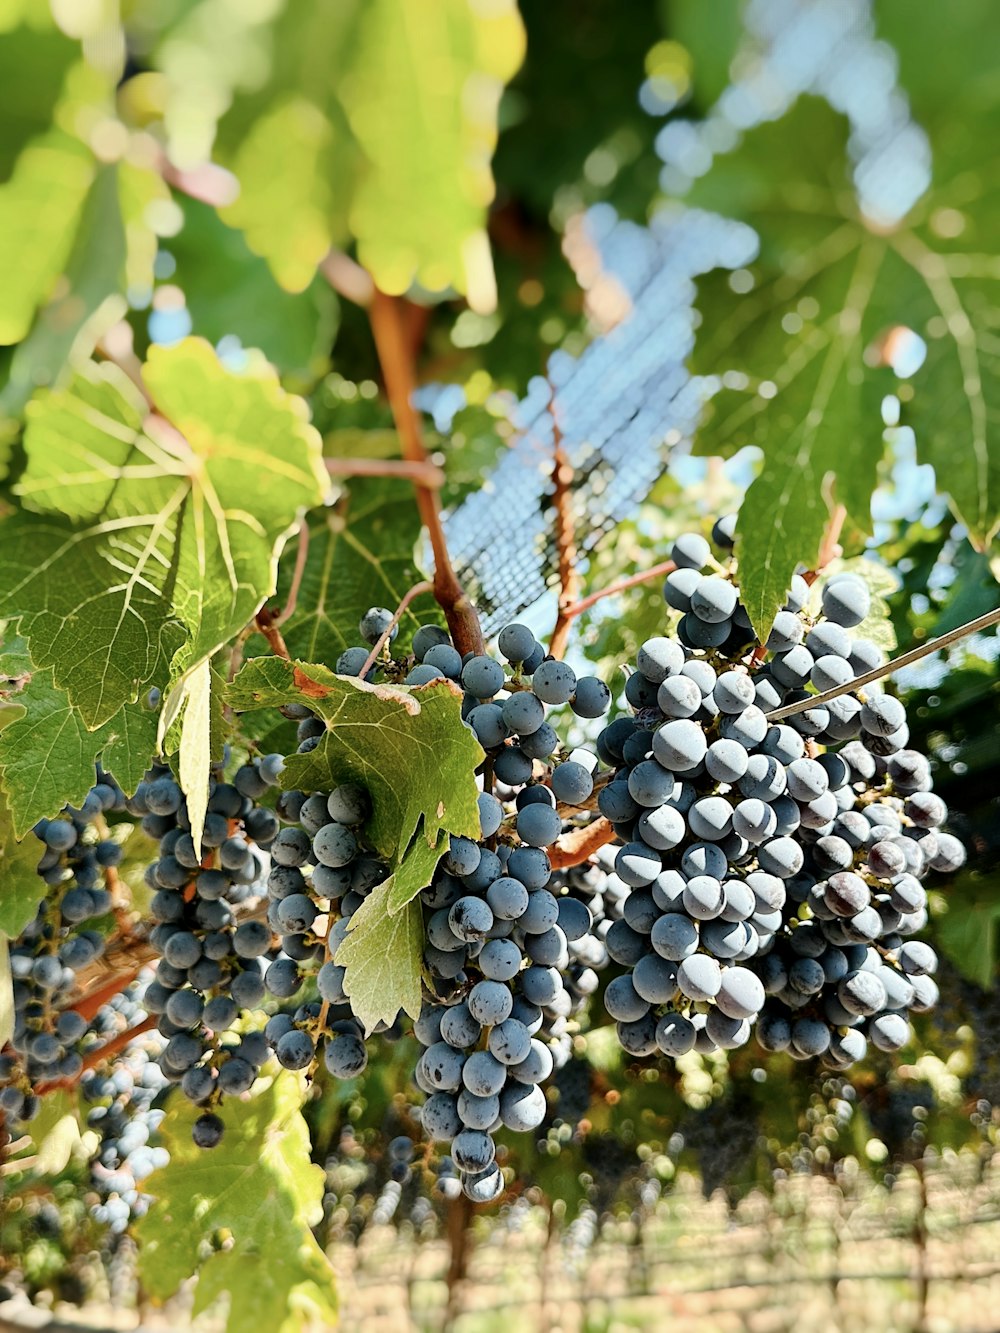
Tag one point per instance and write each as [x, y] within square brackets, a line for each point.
[619, 408]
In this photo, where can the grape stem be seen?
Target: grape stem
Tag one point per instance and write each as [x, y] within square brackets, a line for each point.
[393, 344]
[565, 534]
[100, 1053]
[267, 622]
[301, 555]
[623, 585]
[887, 668]
[383, 638]
[574, 848]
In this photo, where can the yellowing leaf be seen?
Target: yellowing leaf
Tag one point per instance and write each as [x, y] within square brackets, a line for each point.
[195, 754]
[6, 995]
[259, 1188]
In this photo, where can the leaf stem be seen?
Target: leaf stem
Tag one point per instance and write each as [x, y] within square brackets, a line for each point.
[383, 639]
[267, 622]
[623, 585]
[420, 473]
[301, 555]
[887, 668]
[395, 353]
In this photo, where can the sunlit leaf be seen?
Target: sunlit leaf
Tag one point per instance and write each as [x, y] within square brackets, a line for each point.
[260, 1189]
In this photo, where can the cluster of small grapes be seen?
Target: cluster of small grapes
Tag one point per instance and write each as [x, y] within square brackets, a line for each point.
[49, 1035]
[320, 875]
[774, 869]
[122, 1113]
[211, 964]
[510, 949]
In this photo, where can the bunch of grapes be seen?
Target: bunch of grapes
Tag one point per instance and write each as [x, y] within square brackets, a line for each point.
[774, 867]
[64, 939]
[320, 875]
[211, 964]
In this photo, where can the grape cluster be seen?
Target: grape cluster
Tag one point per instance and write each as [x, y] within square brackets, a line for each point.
[121, 1097]
[211, 958]
[774, 868]
[63, 940]
[321, 873]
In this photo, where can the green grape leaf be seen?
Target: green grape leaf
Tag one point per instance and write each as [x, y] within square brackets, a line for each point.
[387, 139]
[360, 555]
[231, 292]
[56, 1132]
[47, 755]
[422, 98]
[408, 747]
[151, 543]
[21, 888]
[194, 755]
[288, 206]
[413, 873]
[803, 351]
[711, 33]
[40, 207]
[259, 1188]
[967, 932]
[34, 60]
[382, 955]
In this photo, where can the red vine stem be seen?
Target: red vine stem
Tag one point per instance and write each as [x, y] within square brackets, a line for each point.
[569, 578]
[383, 639]
[395, 353]
[623, 585]
[301, 555]
[99, 1053]
[830, 546]
[267, 622]
[574, 848]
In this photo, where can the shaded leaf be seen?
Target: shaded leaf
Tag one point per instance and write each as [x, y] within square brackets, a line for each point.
[967, 933]
[230, 293]
[361, 554]
[383, 957]
[21, 888]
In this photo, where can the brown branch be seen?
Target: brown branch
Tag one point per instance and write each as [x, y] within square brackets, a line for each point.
[887, 668]
[348, 278]
[830, 546]
[569, 577]
[383, 638]
[208, 182]
[574, 848]
[267, 622]
[89, 1004]
[395, 353]
[301, 555]
[623, 585]
[99, 1053]
[423, 473]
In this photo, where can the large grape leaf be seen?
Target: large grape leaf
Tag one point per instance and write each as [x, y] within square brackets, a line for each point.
[34, 59]
[258, 1190]
[377, 123]
[802, 351]
[422, 98]
[154, 538]
[408, 747]
[361, 554]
